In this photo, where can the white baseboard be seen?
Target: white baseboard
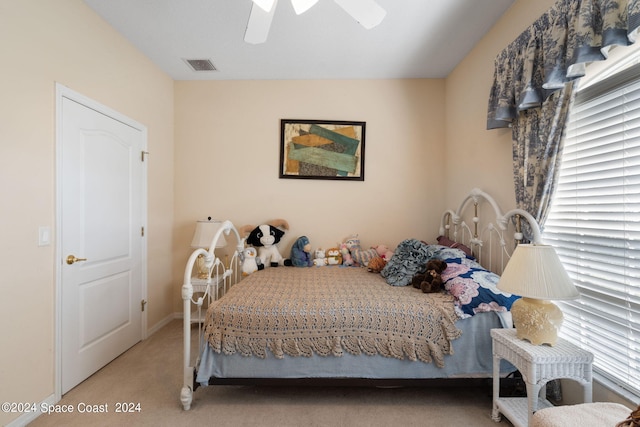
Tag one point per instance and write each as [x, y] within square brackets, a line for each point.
[164, 322]
[28, 417]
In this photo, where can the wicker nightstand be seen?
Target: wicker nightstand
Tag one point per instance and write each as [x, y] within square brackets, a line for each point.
[538, 365]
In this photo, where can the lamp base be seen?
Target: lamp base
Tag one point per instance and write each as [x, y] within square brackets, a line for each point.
[537, 321]
[203, 270]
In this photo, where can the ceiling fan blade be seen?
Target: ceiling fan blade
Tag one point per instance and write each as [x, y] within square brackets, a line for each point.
[265, 5]
[301, 6]
[367, 12]
[259, 24]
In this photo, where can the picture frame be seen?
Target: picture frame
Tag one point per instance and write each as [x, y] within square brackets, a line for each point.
[322, 149]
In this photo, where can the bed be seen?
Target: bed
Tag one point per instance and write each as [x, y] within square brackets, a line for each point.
[347, 325]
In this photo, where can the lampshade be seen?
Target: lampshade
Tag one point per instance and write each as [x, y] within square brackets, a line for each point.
[205, 231]
[535, 271]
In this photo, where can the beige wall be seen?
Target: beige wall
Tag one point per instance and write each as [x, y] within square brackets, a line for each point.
[44, 42]
[227, 159]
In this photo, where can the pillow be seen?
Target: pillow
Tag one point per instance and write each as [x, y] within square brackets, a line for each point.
[445, 241]
[445, 252]
[474, 288]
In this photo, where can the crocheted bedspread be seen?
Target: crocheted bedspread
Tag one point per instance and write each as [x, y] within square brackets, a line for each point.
[329, 310]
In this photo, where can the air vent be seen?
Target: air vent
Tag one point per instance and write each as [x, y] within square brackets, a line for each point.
[201, 64]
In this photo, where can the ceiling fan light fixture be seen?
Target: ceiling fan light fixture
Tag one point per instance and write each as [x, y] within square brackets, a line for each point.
[265, 5]
[367, 12]
[301, 6]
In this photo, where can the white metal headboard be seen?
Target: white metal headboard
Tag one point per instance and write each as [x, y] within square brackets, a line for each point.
[488, 239]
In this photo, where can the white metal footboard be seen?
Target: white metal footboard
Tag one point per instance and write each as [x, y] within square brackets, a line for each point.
[221, 277]
[488, 239]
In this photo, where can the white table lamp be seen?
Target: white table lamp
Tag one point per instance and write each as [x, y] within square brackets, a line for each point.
[202, 238]
[536, 274]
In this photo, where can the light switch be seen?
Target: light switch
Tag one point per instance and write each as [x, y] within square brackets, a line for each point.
[44, 236]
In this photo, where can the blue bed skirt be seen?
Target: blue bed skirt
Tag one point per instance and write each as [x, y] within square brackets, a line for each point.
[472, 358]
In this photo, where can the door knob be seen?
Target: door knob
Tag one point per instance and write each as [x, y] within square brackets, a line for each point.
[72, 258]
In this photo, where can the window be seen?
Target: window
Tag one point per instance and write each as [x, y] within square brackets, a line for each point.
[594, 224]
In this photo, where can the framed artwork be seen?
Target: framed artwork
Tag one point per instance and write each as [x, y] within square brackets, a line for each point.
[322, 149]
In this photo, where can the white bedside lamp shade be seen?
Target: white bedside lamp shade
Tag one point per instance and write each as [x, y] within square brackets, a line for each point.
[536, 274]
[202, 238]
[205, 230]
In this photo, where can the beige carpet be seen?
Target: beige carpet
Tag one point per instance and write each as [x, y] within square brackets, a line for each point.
[150, 374]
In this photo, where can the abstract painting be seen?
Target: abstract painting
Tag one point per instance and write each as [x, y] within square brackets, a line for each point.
[322, 149]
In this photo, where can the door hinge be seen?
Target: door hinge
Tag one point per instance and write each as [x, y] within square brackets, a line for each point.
[142, 154]
[143, 303]
[142, 231]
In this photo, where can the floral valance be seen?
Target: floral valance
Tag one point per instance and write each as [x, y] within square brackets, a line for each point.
[555, 50]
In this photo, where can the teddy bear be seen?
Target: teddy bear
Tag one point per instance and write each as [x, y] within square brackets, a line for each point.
[376, 264]
[430, 281]
[384, 252]
[334, 257]
[301, 252]
[265, 237]
[320, 260]
[361, 257]
[250, 262]
[347, 260]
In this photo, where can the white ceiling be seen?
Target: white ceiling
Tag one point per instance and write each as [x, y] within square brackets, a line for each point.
[416, 39]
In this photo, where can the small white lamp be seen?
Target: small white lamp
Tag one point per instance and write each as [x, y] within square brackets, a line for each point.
[202, 238]
[536, 273]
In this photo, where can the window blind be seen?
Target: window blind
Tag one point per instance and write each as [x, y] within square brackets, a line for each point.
[594, 224]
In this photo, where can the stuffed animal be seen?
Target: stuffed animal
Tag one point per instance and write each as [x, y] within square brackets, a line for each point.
[301, 252]
[383, 252]
[430, 281]
[376, 264]
[250, 261]
[265, 237]
[361, 257]
[320, 260]
[347, 260]
[334, 257]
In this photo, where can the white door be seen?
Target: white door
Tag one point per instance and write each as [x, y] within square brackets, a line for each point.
[101, 208]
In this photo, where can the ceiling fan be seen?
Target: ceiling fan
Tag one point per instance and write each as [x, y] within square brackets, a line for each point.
[367, 12]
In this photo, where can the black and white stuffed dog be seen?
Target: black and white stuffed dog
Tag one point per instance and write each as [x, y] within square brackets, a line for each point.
[265, 237]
